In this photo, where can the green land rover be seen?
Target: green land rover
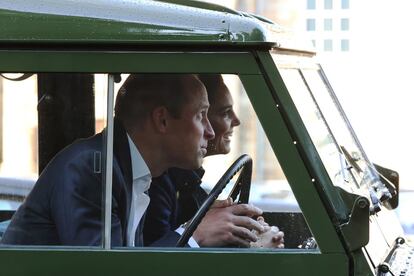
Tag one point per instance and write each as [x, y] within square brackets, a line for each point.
[61, 64]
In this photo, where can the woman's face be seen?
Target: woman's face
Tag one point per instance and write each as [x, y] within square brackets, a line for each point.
[223, 119]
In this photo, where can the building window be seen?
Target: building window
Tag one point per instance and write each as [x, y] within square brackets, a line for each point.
[327, 24]
[345, 4]
[345, 45]
[327, 45]
[310, 24]
[311, 4]
[328, 5]
[313, 43]
[344, 24]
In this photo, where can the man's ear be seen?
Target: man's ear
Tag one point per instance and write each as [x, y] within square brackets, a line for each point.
[160, 118]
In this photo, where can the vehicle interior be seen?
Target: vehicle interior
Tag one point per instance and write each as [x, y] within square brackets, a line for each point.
[65, 116]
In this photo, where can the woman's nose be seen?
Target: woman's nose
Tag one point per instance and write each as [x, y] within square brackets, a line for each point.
[236, 121]
[208, 131]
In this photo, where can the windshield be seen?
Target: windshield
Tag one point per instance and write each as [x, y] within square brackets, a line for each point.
[329, 129]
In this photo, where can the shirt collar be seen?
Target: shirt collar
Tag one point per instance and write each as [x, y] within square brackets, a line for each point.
[139, 167]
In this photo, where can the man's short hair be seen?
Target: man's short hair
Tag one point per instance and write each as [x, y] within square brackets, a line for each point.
[213, 84]
[142, 93]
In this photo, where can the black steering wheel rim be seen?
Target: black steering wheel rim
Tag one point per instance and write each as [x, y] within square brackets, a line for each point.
[241, 186]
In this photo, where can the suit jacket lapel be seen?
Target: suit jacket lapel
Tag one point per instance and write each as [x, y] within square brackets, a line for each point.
[122, 153]
[139, 233]
[122, 156]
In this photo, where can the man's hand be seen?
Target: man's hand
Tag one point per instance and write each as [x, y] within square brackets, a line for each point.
[228, 224]
[271, 237]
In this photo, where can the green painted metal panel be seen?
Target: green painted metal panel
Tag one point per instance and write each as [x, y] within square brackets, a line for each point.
[360, 263]
[90, 35]
[25, 27]
[133, 262]
[292, 164]
[140, 21]
[109, 61]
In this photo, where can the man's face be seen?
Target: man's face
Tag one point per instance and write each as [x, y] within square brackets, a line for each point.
[189, 134]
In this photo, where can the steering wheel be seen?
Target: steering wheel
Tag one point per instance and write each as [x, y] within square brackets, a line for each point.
[241, 186]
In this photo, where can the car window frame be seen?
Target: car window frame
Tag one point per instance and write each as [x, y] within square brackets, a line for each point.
[254, 74]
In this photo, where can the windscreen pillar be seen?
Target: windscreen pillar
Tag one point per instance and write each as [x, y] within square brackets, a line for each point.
[66, 112]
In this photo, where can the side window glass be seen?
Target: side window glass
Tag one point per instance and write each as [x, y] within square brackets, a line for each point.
[41, 114]
[270, 190]
[338, 147]
[192, 127]
[19, 139]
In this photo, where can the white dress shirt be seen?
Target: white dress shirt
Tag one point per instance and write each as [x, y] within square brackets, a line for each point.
[141, 180]
[191, 242]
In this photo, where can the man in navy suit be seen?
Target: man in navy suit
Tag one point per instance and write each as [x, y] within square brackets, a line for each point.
[160, 122]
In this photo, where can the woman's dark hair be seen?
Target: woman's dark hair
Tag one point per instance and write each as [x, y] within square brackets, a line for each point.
[213, 84]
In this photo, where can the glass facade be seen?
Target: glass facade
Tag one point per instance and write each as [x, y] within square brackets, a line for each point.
[344, 45]
[344, 24]
[328, 4]
[345, 4]
[327, 24]
[310, 24]
[328, 45]
[311, 4]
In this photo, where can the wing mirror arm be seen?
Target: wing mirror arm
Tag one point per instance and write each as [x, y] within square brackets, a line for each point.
[355, 230]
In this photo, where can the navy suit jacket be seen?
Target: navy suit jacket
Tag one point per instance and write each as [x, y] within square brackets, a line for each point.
[175, 198]
[65, 205]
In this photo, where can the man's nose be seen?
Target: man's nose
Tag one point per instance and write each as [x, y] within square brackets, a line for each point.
[208, 131]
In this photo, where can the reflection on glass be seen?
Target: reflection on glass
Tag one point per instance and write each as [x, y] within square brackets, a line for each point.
[318, 130]
[330, 131]
[336, 122]
[18, 140]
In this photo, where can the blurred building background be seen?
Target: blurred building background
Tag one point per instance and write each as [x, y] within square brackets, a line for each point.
[365, 49]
